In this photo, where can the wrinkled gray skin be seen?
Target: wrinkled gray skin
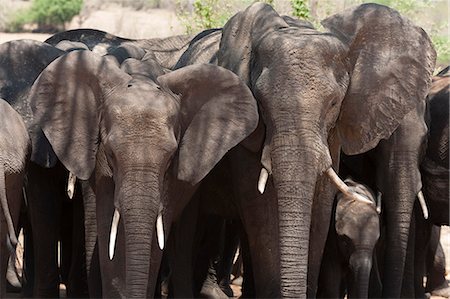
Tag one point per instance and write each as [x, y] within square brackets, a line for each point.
[141, 143]
[349, 250]
[202, 49]
[167, 50]
[349, 87]
[15, 147]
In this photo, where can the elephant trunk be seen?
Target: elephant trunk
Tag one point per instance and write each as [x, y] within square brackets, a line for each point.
[360, 267]
[295, 167]
[399, 202]
[139, 200]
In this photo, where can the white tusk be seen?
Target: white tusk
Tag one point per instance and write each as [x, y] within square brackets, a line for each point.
[113, 234]
[344, 188]
[263, 176]
[423, 204]
[71, 185]
[160, 231]
[379, 195]
[337, 181]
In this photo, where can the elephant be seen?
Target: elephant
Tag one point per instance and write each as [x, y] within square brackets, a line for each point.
[15, 148]
[167, 50]
[143, 144]
[434, 170]
[21, 62]
[319, 92]
[350, 247]
[435, 166]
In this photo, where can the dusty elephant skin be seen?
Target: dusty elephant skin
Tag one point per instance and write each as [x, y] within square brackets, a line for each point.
[167, 50]
[15, 148]
[141, 143]
[361, 82]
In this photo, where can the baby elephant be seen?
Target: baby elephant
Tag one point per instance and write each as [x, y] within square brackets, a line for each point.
[349, 251]
[14, 152]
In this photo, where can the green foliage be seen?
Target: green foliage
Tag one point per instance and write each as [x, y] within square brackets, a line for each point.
[47, 13]
[270, 2]
[442, 47]
[300, 9]
[206, 14]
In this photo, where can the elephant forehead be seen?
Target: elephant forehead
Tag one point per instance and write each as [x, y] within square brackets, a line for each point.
[306, 44]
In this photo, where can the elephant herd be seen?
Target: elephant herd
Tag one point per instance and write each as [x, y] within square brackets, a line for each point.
[132, 153]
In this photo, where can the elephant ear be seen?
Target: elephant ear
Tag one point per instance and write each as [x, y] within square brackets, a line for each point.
[217, 112]
[66, 99]
[21, 62]
[392, 62]
[240, 32]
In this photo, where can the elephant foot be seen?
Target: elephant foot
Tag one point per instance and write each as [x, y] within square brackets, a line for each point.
[442, 292]
[225, 287]
[211, 289]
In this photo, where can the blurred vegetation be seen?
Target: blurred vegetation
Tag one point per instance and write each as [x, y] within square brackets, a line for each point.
[48, 15]
[197, 15]
[431, 15]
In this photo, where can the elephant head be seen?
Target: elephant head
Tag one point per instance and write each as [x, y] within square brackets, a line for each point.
[139, 131]
[359, 79]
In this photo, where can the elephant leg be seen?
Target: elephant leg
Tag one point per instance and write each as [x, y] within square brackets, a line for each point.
[436, 283]
[43, 201]
[231, 244]
[181, 251]
[331, 277]
[210, 257]
[13, 185]
[65, 243]
[112, 271]
[77, 279]
[28, 257]
[259, 216]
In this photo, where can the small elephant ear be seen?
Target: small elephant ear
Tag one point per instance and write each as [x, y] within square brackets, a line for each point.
[217, 112]
[240, 32]
[392, 62]
[66, 99]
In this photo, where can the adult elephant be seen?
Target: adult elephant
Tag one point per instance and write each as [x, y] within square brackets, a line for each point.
[20, 64]
[167, 50]
[142, 139]
[350, 87]
[15, 148]
[435, 176]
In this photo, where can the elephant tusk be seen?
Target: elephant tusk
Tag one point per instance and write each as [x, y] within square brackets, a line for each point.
[71, 185]
[423, 204]
[160, 231]
[113, 234]
[337, 181]
[379, 195]
[262, 182]
[344, 188]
